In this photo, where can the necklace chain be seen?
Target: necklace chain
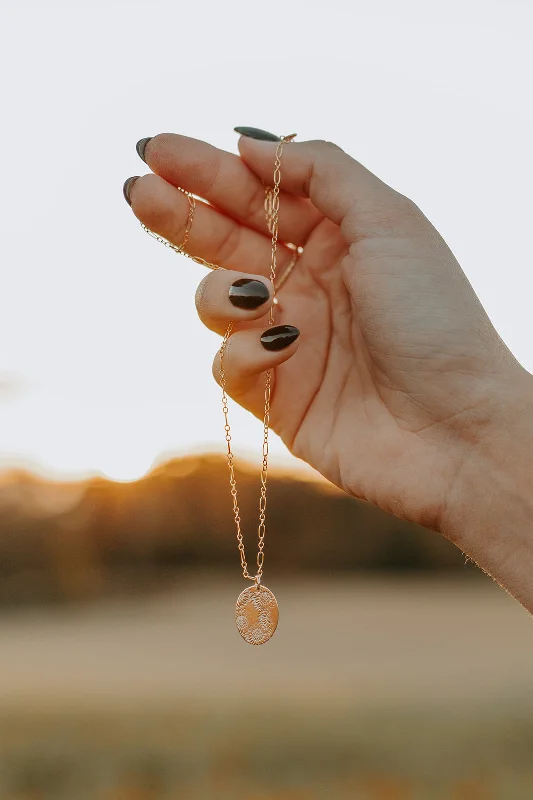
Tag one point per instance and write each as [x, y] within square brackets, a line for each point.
[180, 248]
[272, 219]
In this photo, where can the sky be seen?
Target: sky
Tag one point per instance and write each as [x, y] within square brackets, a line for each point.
[104, 365]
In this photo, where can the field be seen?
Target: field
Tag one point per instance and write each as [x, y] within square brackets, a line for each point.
[371, 688]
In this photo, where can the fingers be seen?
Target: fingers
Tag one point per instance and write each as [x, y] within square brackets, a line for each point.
[335, 183]
[249, 353]
[213, 236]
[224, 296]
[226, 182]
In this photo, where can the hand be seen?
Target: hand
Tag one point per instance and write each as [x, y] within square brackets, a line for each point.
[398, 375]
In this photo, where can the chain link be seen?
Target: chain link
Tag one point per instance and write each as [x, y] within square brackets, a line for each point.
[272, 220]
[180, 248]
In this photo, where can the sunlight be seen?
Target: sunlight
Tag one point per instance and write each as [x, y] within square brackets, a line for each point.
[125, 467]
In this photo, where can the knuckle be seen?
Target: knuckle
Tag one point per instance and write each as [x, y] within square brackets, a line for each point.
[406, 205]
[324, 145]
[256, 206]
[392, 213]
[229, 243]
[408, 211]
[210, 171]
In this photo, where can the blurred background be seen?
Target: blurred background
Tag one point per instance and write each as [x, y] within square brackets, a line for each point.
[399, 671]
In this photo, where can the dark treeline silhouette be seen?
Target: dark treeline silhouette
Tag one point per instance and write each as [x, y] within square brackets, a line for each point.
[75, 541]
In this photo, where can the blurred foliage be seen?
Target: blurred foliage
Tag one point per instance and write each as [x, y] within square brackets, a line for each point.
[75, 541]
[275, 754]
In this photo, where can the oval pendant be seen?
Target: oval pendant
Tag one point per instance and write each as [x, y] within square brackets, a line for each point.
[256, 614]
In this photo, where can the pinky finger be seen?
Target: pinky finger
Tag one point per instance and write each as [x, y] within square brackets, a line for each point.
[247, 355]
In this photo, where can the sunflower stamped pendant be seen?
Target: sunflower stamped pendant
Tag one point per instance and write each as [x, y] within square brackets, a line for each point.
[256, 614]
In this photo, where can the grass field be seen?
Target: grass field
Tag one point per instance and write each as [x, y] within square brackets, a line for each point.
[370, 689]
[394, 755]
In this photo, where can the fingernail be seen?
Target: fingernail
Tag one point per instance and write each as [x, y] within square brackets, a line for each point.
[257, 133]
[248, 293]
[279, 337]
[141, 146]
[127, 188]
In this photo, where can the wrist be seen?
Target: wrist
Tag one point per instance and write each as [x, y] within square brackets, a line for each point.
[489, 509]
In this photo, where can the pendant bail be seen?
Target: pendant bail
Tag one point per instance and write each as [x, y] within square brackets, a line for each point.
[257, 581]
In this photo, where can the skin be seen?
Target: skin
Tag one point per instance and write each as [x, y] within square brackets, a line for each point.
[399, 389]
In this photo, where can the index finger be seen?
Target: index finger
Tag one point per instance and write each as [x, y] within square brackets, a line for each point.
[338, 185]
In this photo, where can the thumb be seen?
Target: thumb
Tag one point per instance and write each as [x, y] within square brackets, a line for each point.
[338, 185]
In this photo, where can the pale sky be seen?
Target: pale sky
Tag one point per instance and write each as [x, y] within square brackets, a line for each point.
[108, 368]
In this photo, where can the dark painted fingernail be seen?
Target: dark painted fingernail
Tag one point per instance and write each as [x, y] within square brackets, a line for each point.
[248, 293]
[127, 188]
[279, 337]
[257, 133]
[141, 146]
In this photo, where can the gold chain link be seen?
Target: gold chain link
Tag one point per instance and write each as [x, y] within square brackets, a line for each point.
[180, 248]
[272, 220]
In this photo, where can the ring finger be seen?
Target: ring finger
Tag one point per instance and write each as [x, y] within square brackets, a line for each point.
[225, 296]
[213, 236]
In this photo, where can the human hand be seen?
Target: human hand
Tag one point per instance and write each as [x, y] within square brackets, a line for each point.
[398, 375]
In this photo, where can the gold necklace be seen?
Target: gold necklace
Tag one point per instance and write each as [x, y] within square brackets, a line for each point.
[256, 612]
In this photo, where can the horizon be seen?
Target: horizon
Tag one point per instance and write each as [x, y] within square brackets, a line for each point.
[291, 469]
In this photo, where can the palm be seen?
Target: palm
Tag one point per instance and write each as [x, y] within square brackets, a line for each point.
[381, 377]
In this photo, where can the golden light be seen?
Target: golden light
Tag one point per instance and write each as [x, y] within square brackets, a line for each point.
[125, 467]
